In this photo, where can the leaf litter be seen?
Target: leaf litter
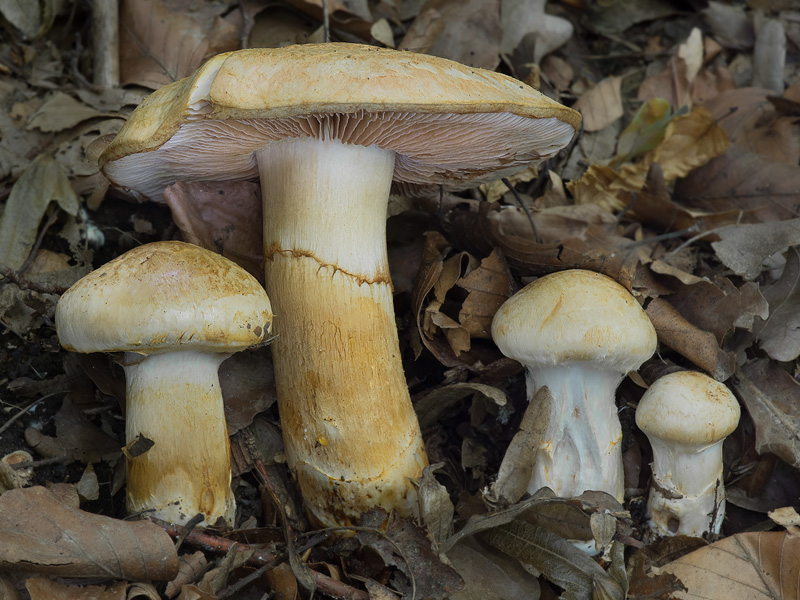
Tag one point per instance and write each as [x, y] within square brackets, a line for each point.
[682, 187]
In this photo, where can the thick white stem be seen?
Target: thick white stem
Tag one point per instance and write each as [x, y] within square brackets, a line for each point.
[687, 496]
[581, 450]
[174, 400]
[350, 431]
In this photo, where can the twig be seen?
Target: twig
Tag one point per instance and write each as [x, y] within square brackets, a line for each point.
[50, 220]
[27, 284]
[326, 23]
[523, 207]
[25, 409]
[211, 543]
[32, 464]
[105, 43]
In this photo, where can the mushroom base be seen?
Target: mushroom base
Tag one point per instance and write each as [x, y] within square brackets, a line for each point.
[174, 400]
[581, 448]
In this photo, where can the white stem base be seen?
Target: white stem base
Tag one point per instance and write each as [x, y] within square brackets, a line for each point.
[687, 496]
[174, 400]
[350, 431]
[581, 450]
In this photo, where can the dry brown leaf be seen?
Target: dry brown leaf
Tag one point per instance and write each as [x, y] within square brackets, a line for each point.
[221, 216]
[434, 403]
[467, 31]
[488, 287]
[601, 105]
[689, 141]
[491, 575]
[159, 46]
[762, 189]
[435, 507]
[772, 398]
[247, 381]
[689, 341]
[43, 535]
[751, 122]
[745, 566]
[60, 112]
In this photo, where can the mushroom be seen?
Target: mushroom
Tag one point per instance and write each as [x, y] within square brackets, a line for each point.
[686, 416]
[327, 128]
[578, 333]
[176, 311]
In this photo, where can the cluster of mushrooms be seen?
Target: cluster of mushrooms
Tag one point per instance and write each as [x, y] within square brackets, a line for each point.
[579, 333]
[327, 129]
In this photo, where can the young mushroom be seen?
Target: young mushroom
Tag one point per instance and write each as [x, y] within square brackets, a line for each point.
[686, 416]
[176, 311]
[327, 128]
[578, 333]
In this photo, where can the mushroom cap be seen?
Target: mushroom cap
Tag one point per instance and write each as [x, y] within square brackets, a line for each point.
[164, 296]
[448, 123]
[575, 316]
[688, 408]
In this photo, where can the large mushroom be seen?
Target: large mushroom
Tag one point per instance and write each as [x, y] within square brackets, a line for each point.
[176, 311]
[327, 128]
[578, 333]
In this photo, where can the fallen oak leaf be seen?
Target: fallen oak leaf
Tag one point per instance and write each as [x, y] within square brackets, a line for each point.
[42, 534]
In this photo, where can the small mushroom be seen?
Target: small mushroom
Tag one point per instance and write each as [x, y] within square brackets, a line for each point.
[327, 128]
[176, 311]
[578, 333]
[686, 416]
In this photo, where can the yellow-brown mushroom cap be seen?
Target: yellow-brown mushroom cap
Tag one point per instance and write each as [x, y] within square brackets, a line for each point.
[164, 296]
[448, 123]
[575, 316]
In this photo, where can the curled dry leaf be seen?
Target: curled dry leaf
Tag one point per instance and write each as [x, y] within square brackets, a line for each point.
[43, 535]
[435, 507]
[745, 566]
[191, 569]
[44, 588]
[699, 346]
[491, 575]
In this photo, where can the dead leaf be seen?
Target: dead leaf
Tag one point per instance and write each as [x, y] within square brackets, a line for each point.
[247, 381]
[744, 248]
[43, 535]
[467, 31]
[557, 559]
[403, 545]
[615, 16]
[40, 184]
[60, 111]
[522, 18]
[488, 287]
[33, 19]
[746, 566]
[352, 16]
[491, 575]
[601, 105]
[772, 398]
[190, 569]
[435, 507]
[44, 588]
[515, 471]
[762, 189]
[432, 404]
[159, 46]
[695, 344]
[779, 334]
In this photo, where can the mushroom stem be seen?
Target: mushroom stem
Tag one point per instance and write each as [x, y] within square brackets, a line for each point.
[581, 447]
[174, 399]
[351, 435]
[687, 494]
